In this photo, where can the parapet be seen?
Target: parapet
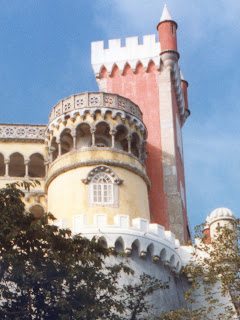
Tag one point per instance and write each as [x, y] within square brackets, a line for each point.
[147, 237]
[22, 132]
[92, 102]
[133, 53]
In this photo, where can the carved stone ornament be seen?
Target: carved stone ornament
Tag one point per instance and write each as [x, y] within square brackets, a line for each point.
[104, 169]
[28, 132]
[92, 100]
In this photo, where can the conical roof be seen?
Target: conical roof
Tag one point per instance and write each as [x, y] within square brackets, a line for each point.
[166, 16]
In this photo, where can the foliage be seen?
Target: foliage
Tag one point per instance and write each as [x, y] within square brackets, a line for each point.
[137, 306]
[46, 273]
[214, 272]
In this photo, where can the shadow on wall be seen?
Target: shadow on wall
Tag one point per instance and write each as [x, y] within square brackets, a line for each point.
[18, 166]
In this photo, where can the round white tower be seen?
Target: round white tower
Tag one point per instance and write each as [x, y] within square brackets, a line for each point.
[220, 217]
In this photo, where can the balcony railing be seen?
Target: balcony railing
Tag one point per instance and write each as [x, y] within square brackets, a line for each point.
[95, 100]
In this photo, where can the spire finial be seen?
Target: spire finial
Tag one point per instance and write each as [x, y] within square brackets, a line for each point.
[166, 16]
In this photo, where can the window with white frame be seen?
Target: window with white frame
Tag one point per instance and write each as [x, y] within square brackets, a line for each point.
[102, 189]
[102, 186]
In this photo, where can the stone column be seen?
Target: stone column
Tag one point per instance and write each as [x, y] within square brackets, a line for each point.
[6, 162]
[50, 151]
[144, 153]
[93, 130]
[113, 133]
[59, 147]
[46, 163]
[129, 139]
[140, 151]
[26, 167]
[74, 141]
[74, 136]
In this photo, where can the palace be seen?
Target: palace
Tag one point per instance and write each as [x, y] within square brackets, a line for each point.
[110, 163]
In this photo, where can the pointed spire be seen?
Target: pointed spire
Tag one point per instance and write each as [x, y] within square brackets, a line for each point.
[166, 16]
[181, 75]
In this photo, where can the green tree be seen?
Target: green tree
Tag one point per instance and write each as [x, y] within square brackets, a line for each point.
[138, 304]
[45, 273]
[214, 272]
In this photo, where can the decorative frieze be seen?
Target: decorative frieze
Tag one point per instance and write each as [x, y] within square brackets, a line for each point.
[23, 132]
[94, 100]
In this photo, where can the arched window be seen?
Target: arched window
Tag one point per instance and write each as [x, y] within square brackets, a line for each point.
[36, 167]
[66, 141]
[2, 165]
[102, 135]
[54, 149]
[102, 189]
[16, 165]
[84, 136]
[135, 144]
[37, 211]
[121, 141]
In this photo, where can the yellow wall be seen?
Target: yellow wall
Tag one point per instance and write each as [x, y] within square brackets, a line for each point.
[87, 155]
[25, 148]
[66, 193]
[67, 196]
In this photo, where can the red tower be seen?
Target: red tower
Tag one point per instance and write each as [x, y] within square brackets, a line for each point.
[149, 75]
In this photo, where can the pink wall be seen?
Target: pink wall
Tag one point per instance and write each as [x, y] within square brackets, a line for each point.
[142, 88]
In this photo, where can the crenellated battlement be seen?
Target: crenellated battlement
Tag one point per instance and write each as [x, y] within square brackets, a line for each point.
[147, 237]
[132, 53]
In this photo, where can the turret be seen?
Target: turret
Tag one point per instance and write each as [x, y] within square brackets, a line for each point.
[220, 217]
[185, 94]
[148, 73]
[167, 30]
[206, 232]
[97, 151]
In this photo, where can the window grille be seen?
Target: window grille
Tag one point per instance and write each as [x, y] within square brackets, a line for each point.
[102, 189]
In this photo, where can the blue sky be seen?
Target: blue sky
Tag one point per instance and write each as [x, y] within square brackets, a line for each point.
[45, 57]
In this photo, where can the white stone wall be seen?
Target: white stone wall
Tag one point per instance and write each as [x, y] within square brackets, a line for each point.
[119, 55]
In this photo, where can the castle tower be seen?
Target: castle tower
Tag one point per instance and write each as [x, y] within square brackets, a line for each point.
[149, 75]
[96, 143]
[219, 217]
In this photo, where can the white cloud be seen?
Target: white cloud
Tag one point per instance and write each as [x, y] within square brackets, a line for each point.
[196, 16]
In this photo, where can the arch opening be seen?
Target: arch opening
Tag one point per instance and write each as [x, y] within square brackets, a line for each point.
[2, 165]
[135, 144]
[103, 242]
[37, 211]
[102, 135]
[163, 254]
[36, 167]
[66, 141]
[54, 148]
[83, 136]
[119, 245]
[121, 141]
[16, 165]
